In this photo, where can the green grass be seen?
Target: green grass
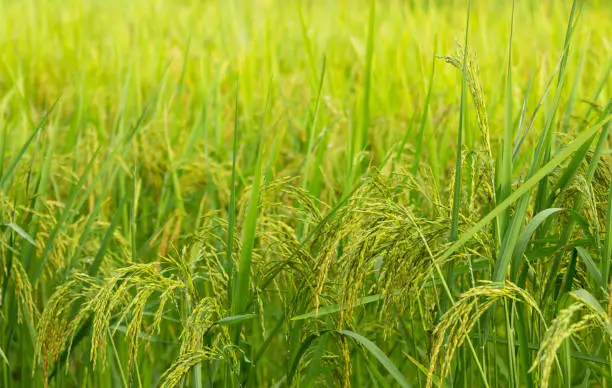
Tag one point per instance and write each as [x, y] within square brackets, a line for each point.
[319, 193]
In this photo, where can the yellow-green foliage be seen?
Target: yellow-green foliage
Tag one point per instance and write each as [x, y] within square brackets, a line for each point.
[272, 193]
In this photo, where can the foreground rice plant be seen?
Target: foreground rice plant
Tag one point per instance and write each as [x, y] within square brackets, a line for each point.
[305, 194]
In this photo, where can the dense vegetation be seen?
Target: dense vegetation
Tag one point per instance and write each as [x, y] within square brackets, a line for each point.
[331, 193]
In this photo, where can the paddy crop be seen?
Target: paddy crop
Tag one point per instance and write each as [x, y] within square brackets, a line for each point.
[315, 193]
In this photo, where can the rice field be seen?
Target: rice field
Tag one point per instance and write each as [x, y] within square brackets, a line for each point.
[229, 193]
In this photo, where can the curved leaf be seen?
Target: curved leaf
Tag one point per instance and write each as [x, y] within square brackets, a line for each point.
[21, 232]
[525, 237]
[591, 266]
[380, 356]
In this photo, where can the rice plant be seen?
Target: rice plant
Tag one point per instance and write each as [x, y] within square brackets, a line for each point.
[271, 193]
